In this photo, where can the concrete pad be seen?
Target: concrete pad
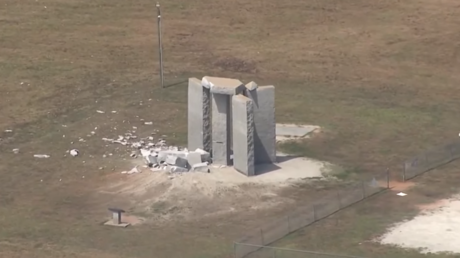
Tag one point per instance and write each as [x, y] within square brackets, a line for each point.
[264, 124]
[225, 86]
[193, 158]
[199, 115]
[121, 225]
[220, 129]
[243, 135]
[292, 130]
[287, 132]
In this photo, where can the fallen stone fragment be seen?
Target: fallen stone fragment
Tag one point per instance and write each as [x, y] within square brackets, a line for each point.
[100, 111]
[15, 151]
[132, 171]
[193, 158]
[176, 161]
[205, 156]
[41, 156]
[8, 131]
[201, 167]
[152, 160]
[74, 152]
[163, 154]
[176, 169]
[148, 123]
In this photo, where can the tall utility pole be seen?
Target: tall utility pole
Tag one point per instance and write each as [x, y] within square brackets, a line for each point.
[160, 46]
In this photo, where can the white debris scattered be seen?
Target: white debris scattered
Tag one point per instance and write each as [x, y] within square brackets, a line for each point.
[401, 194]
[113, 111]
[148, 123]
[41, 156]
[8, 131]
[157, 155]
[15, 151]
[74, 152]
[134, 170]
[100, 111]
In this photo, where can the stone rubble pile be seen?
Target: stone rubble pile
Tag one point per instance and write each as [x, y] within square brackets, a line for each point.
[158, 156]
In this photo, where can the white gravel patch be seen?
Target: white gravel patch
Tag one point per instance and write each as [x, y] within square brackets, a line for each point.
[434, 231]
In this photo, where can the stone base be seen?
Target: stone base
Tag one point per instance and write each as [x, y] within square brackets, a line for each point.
[121, 225]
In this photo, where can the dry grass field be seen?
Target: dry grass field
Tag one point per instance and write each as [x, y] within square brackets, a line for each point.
[380, 77]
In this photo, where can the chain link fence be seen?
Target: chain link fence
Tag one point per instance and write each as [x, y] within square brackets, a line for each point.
[431, 159]
[251, 245]
[274, 252]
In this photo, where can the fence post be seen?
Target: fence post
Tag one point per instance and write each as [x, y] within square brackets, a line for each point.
[338, 199]
[426, 157]
[451, 154]
[388, 178]
[262, 236]
[289, 223]
[314, 213]
[234, 249]
[404, 172]
[364, 190]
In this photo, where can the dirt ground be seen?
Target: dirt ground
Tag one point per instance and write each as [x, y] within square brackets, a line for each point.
[380, 78]
[163, 197]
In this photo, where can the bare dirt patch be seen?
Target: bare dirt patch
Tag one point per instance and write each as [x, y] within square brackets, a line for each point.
[436, 230]
[194, 195]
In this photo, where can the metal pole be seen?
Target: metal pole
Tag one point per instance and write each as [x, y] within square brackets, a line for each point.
[388, 178]
[160, 46]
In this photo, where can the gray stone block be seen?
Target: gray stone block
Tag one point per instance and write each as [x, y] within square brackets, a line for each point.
[199, 115]
[193, 158]
[220, 124]
[205, 156]
[176, 169]
[200, 167]
[264, 124]
[243, 135]
[225, 86]
[176, 161]
[162, 155]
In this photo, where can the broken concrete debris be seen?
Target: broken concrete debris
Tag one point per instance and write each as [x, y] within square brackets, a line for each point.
[158, 156]
[74, 152]
[193, 158]
[201, 167]
[41, 156]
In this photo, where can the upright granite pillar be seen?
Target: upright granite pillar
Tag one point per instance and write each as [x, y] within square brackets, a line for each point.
[221, 90]
[243, 135]
[264, 123]
[199, 116]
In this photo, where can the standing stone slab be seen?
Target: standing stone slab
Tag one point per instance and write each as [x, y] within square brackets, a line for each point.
[220, 130]
[263, 98]
[199, 116]
[243, 135]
